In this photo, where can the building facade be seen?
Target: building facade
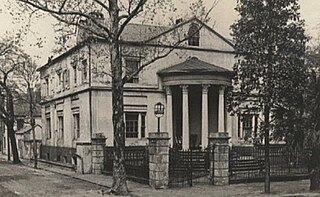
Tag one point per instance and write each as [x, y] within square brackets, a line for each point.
[191, 81]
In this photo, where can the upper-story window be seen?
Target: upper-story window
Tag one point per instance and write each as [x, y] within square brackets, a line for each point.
[132, 65]
[194, 35]
[20, 123]
[75, 74]
[66, 79]
[47, 90]
[84, 63]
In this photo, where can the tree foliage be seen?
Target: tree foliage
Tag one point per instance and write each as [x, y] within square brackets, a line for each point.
[270, 72]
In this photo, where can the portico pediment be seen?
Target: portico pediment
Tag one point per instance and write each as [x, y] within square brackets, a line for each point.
[195, 71]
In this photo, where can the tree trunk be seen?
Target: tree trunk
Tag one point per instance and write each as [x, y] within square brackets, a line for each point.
[119, 185]
[13, 143]
[267, 147]
[315, 169]
[10, 129]
[32, 123]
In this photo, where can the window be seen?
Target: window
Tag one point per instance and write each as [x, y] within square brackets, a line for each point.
[76, 125]
[135, 123]
[60, 81]
[47, 87]
[75, 75]
[48, 126]
[85, 70]
[194, 35]
[132, 65]
[143, 125]
[247, 121]
[66, 79]
[20, 123]
[60, 126]
[131, 125]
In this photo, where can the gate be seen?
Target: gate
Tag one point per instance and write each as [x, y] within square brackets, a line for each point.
[136, 163]
[247, 164]
[187, 167]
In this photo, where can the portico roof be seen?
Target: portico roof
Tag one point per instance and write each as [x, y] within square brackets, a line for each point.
[195, 71]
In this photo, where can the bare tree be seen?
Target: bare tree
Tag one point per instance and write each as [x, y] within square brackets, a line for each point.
[27, 78]
[119, 13]
[11, 57]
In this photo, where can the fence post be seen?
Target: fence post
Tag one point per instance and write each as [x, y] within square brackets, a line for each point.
[159, 160]
[219, 166]
[98, 144]
[84, 157]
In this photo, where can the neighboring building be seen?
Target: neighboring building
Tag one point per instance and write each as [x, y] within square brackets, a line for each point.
[23, 130]
[190, 82]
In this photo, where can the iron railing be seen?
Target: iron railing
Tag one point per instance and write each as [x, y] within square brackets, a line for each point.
[247, 164]
[58, 154]
[136, 162]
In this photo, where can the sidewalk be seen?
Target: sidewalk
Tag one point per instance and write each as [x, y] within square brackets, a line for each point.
[287, 189]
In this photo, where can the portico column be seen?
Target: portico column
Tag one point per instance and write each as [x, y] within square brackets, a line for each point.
[204, 123]
[169, 115]
[221, 116]
[185, 117]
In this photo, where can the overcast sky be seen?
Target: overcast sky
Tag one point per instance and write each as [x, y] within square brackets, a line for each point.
[223, 15]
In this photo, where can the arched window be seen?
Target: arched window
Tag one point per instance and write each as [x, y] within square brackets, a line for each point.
[194, 35]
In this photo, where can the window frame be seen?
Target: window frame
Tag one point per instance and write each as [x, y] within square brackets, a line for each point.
[194, 35]
[128, 72]
[76, 125]
[48, 126]
[137, 129]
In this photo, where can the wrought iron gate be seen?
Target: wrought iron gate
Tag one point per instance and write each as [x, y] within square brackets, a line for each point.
[187, 167]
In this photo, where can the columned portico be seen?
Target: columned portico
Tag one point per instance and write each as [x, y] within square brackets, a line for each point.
[185, 117]
[195, 102]
[169, 115]
[205, 116]
[221, 117]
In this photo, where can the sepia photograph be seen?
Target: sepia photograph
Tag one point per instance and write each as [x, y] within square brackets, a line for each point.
[207, 98]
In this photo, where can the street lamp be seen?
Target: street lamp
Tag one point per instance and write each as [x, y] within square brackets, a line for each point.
[158, 112]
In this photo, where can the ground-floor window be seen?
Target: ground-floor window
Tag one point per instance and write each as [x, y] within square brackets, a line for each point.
[60, 125]
[48, 126]
[76, 125]
[135, 124]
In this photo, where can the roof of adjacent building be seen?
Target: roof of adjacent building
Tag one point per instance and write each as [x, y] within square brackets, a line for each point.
[194, 65]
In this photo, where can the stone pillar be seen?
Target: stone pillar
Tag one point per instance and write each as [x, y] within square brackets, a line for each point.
[185, 117]
[219, 168]
[221, 116]
[205, 116]
[84, 157]
[169, 115]
[98, 143]
[158, 160]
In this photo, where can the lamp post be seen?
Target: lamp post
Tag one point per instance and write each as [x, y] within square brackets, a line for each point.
[158, 112]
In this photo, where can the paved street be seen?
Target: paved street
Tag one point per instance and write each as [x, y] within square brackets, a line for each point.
[19, 180]
[24, 181]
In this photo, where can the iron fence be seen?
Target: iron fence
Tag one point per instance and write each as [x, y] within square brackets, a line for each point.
[247, 164]
[58, 154]
[136, 162]
[187, 167]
